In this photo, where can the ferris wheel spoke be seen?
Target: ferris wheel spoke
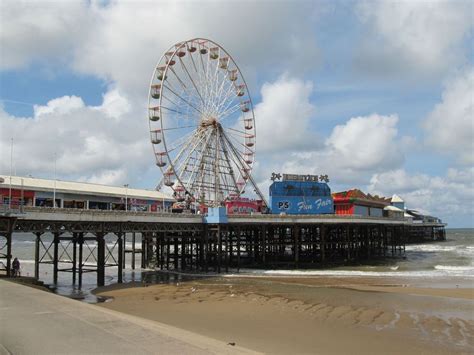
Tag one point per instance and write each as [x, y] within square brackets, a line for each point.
[180, 141]
[170, 101]
[194, 63]
[175, 161]
[226, 154]
[243, 134]
[172, 110]
[198, 161]
[183, 65]
[184, 100]
[238, 160]
[205, 84]
[189, 156]
[183, 85]
[225, 80]
[227, 99]
[182, 127]
[215, 82]
[237, 142]
[200, 175]
[230, 111]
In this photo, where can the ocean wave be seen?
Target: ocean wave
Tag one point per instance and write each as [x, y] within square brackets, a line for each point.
[454, 268]
[430, 248]
[348, 273]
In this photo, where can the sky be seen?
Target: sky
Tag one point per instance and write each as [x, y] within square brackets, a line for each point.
[376, 94]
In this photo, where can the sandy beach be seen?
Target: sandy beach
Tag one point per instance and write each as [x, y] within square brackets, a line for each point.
[319, 315]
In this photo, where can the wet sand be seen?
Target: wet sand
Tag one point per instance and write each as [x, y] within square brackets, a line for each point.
[319, 315]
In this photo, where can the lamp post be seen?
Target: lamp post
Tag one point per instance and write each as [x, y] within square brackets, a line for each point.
[126, 196]
[11, 172]
[54, 186]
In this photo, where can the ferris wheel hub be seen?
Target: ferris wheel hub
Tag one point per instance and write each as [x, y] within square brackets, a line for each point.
[209, 122]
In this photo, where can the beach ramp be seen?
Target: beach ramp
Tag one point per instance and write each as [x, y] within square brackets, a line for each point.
[38, 322]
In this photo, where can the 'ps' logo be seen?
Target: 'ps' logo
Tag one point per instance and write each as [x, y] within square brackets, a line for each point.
[283, 205]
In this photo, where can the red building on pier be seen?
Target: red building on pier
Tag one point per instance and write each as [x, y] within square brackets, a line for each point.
[355, 202]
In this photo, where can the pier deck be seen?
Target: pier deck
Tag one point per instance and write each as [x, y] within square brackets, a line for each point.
[38, 322]
[81, 240]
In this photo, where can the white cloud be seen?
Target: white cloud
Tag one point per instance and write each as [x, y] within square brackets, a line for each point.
[115, 104]
[450, 126]
[414, 36]
[59, 106]
[97, 144]
[283, 117]
[449, 197]
[350, 155]
[365, 143]
[120, 41]
[108, 177]
[40, 31]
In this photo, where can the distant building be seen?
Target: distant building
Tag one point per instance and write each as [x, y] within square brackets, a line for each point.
[397, 202]
[418, 217]
[35, 192]
[355, 202]
[393, 212]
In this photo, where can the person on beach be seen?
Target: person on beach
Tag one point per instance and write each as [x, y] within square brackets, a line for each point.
[16, 267]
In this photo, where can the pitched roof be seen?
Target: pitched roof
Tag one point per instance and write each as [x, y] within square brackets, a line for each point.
[358, 195]
[35, 184]
[396, 198]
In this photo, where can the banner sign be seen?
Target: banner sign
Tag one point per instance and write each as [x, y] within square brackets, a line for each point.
[301, 205]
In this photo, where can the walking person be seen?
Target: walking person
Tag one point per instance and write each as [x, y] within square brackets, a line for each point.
[16, 268]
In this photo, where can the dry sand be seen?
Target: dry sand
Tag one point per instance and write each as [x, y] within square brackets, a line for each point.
[283, 315]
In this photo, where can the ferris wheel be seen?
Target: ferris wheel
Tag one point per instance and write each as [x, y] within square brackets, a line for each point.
[202, 124]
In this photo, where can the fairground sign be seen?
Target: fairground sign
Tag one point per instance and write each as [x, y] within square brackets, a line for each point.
[295, 177]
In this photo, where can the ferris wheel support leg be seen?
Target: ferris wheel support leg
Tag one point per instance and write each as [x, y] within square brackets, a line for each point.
[257, 190]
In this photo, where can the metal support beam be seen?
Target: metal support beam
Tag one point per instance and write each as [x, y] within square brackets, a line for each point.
[296, 236]
[120, 257]
[55, 257]
[79, 261]
[100, 259]
[74, 257]
[37, 254]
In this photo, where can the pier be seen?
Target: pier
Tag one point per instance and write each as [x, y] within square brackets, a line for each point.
[184, 242]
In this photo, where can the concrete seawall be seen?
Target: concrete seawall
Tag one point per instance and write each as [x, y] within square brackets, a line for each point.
[38, 322]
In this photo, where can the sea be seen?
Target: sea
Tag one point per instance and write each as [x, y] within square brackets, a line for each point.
[447, 263]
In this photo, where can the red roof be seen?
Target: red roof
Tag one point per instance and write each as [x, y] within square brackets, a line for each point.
[356, 196]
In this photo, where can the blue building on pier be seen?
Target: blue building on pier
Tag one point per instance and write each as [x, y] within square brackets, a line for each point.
[300, 194]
